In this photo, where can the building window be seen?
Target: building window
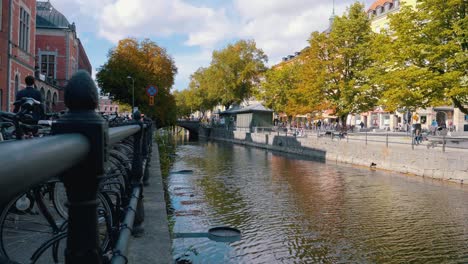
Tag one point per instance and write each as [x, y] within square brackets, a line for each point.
[42, 93]
[48, 102]
[48, 65]
[24, 30]
[16, 84]
[54, 100]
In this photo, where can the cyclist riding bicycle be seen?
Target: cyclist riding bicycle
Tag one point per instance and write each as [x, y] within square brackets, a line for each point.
[36, 110]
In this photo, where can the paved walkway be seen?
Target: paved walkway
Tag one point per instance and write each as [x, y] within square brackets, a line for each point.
[155, 246]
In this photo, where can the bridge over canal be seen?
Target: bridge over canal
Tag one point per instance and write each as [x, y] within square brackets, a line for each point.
[191, 125]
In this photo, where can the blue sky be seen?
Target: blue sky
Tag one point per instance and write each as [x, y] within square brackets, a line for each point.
[191, 29]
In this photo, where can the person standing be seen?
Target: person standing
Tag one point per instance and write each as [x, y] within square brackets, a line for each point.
[29, 92]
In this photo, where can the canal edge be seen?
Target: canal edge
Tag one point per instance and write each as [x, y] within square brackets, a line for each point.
[155, 246]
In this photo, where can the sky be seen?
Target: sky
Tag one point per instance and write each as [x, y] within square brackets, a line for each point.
[191, 29]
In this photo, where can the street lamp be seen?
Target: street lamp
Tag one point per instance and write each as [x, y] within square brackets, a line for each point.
[133, 92]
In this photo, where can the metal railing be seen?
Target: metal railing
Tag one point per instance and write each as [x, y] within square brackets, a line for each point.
[77, 152]
[387, 138]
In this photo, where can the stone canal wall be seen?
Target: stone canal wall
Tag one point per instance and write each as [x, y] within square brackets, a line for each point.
[451, 165]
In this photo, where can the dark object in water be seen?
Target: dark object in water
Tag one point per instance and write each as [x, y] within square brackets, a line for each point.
[217, 234]
[373, 165]
[182, 172]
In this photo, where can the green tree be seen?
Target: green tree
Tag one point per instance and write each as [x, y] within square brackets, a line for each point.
[202, 90]
[277, 89]
[427, 58]
[235, 70]
[182, 99]
[335, 64]
[147, 64]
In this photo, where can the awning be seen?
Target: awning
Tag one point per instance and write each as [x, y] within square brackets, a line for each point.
[443, 108]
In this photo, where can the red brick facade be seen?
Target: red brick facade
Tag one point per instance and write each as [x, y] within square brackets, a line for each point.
[107, 106]
[42, 43]
[17, 47]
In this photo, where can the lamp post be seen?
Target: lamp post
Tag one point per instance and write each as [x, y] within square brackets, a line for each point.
[133, 92]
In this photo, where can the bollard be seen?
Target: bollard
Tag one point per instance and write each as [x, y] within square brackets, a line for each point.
[386, 140]
[443, 143]
[81, 181]
[366, 137]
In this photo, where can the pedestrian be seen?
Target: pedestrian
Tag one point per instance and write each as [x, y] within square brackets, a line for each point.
[362, 125]
[30, 92]
[417, 137]
[434, 126]
[319, 124]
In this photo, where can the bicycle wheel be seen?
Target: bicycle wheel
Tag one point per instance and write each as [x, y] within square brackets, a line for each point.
[23, 232]
[23, 227]
[60, 199]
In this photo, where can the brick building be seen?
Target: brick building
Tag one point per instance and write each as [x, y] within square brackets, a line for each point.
[17, 47]
[106, 105]
[36, 39]
[59, 52]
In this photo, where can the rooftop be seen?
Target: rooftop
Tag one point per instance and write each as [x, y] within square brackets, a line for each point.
[379, 3]
[48, 17]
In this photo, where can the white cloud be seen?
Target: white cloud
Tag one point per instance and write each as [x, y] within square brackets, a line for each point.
[160, 18]
[281, 27]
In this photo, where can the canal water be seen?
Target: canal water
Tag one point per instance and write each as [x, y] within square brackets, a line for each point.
[291, 209]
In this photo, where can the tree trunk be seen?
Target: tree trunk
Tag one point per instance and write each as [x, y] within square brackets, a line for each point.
[459, 105]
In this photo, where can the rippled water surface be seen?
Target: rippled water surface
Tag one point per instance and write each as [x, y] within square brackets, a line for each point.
[293, 210]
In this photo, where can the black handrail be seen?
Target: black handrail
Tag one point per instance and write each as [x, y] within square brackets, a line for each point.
[25, 163]
[116, 134]
[77, 152]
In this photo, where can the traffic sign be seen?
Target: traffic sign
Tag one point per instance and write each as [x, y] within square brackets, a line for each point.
[151, 90]
[151, 100]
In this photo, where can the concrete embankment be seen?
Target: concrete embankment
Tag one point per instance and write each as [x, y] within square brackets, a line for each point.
[451, 165]
[155, 246]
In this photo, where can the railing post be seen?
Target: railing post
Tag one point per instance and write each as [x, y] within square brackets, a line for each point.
[386, 140]
[81, 181]
[147, 150]
[137, 174]
[366, 137]
[443, 143]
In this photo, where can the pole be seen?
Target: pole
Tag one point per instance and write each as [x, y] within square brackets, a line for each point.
[386, 140]
[443, 143]
[133, 94]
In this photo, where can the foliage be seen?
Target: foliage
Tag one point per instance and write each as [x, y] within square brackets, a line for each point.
[278, 89]
[147, 64]
[235, 70]
[335, 64]
[427, 56]
[231, 77]
[166, 150]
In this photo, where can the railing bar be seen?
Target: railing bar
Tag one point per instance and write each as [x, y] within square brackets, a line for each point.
[116, 134]
[122, 243]
[45, 157]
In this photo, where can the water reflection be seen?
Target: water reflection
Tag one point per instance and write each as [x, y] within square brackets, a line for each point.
[294, 210]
